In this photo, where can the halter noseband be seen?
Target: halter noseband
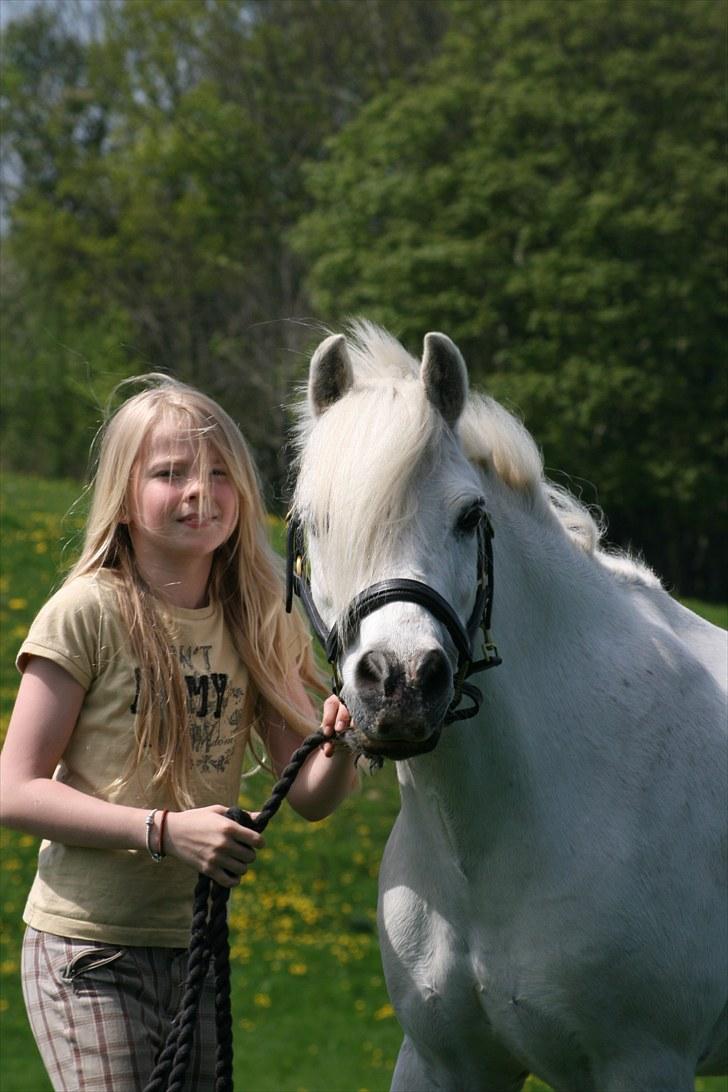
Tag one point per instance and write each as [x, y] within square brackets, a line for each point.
[336, 640]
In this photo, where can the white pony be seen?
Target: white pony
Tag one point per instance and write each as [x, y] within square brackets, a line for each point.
[553, 893]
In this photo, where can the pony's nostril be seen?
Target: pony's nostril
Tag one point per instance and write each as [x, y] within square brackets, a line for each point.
[371, 670]
[433, 674]
[379, 675]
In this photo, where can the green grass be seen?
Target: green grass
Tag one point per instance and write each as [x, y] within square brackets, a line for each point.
[310, 1007]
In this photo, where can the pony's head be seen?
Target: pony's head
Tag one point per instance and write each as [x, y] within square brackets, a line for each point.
[385, 492]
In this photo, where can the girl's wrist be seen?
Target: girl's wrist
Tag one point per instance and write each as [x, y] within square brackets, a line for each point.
[155, 824]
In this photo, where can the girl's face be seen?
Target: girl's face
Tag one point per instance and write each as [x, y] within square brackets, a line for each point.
[183, 503]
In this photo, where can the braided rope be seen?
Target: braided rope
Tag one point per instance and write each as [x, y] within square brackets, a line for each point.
[209, 941]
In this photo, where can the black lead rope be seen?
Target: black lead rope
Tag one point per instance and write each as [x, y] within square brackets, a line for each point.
[209, 941]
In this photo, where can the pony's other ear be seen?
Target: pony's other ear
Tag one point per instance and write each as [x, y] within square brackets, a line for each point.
[445, 376]
[330, 375]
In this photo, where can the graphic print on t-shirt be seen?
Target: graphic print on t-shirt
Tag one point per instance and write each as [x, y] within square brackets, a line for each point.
[215, 707]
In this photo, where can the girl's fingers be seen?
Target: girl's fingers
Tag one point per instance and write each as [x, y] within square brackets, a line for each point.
[225, 878]
[232, 865]
[336, 716]
[211, 843]
[335, 721]
[241, 852]
[331, 708]
[248, 838]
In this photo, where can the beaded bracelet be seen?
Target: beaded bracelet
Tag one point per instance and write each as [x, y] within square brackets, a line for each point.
[149, 823]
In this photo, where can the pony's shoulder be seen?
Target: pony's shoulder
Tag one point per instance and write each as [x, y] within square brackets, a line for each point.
[692, 639]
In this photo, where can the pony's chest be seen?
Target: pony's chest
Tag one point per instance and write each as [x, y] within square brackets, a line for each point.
[462, 997]
[447, 979]
[460, 973]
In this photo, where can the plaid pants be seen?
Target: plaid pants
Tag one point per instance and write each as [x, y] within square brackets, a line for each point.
[101, 1013]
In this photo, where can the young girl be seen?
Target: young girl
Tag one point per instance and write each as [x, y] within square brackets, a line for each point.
[143, 680]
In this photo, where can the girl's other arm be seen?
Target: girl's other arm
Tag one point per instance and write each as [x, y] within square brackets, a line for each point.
[46, 710]
[328, 775]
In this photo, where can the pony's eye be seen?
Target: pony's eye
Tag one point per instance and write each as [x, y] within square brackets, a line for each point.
[469, 518]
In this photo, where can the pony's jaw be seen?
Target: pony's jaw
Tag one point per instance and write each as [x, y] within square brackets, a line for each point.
[395, 750]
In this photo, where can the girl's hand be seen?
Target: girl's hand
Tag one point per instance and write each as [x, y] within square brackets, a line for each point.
[335, 722]
[211, 843]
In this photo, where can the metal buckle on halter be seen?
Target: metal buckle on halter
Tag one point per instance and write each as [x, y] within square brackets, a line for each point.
[491, 656]
[490, 648]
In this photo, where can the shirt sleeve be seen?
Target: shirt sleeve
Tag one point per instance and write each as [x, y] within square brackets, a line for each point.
[67, 631]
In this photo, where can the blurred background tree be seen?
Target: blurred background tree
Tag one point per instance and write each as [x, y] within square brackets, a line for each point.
[193, 185]
[153, 163]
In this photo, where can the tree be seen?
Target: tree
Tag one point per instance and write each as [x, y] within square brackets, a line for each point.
[62, 348]
[551, 193]
[159, 167]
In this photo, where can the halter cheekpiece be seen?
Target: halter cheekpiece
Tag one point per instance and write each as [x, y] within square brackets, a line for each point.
[336, 640]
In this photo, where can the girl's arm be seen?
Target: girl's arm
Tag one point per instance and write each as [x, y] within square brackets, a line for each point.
[45, 714]
[329, 775]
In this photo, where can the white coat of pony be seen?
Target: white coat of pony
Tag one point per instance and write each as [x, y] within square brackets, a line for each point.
[553, 892]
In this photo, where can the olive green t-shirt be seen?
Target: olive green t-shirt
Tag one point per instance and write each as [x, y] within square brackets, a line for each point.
[123, 896]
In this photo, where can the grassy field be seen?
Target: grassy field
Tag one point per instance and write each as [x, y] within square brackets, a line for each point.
[310, 1007]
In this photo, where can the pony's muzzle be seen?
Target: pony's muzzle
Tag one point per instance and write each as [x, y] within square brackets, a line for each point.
[394, 701]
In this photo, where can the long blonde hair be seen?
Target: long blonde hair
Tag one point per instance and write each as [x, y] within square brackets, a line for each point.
[245, 580]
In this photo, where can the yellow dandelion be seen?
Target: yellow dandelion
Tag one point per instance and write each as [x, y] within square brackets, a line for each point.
[8, 966]
[41, 547]
[386, 1012]
[262, 1000]
[4, 1005]
[17, 603]
[298, 969]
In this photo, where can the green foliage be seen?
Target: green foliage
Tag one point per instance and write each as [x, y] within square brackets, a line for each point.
[551, 193]
[541, 179]
[157, 167]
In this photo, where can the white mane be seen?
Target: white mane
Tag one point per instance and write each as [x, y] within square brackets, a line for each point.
[357, 465]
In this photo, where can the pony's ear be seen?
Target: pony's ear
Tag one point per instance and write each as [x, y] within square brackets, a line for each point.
[445, 376]
[330, 376]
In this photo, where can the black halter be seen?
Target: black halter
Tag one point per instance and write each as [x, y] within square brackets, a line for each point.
[337, 639]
